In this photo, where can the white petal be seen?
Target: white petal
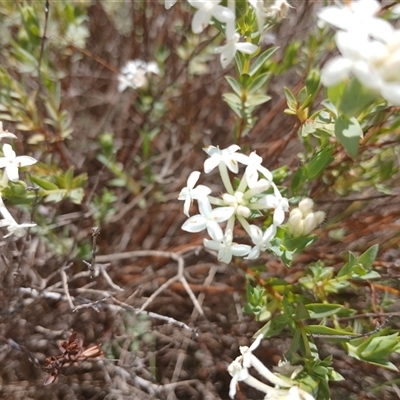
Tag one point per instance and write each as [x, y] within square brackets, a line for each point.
[193, 178]
[256, 234]
[214, 230]
[279, 216]
[211, 163]
[205, 207]
[200, 191]
[197, 223]
[232, 165]
[9, 153]
[12, 172]
[221, 214]
[335, 71]
[23, 161]
[391, 92]
[240, 250]
[186, 206]
[223, 14]
[246, 48]
[200, 21]
[212, 244]
[253, 254]
[225, 255]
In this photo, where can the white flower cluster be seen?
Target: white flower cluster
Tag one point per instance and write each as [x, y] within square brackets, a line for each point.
[208, 9]
[284, 388]
[247, 200]
[303, 220]
[11, 162]
[135, 73]
[370, 48]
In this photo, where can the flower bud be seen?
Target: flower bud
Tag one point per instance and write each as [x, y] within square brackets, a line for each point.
[319, 217]
[309, 224]
[306, 205]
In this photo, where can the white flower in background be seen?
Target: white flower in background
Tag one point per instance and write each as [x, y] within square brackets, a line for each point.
[5, 134]
[232, 45]
[13, 227]
[134, 74]
[358, 16]
[189, 193]
[369, 46]
[228, 156]
[208, 219]
[207, 10]
[356, 49]
[11, 162]
[261, 240]
[169, 3]
[278, 10]
[226, 248]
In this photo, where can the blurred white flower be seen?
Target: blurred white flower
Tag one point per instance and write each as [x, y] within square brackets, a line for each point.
[277, 11]
[358, 15]
[13, 227]
[5, 133]
[232, 45]
[226, 248]
[189, 193]
[208, 219]
[207, 10]
[134, 74]
[11, 162]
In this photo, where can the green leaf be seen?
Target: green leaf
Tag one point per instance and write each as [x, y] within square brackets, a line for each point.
[319, 310]
[274, 327]
[368, 257]
[261, 60]
[356, 98]
[46, 185]
[319, 162]
[290, 99]
[234, 85]
[302, 312]
[256, 99]
[348, 132]
[258, 82]
[232, 98]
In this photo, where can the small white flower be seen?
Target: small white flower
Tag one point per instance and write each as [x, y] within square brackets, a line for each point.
[5, 133]
[261, 240]
[279, 204]
[208, 219]
[227, 156]
[226, 249]
[189, 193]
[207, 10]
[13, 227]
[134, 74]
[11, 162]
[254, 167]
[232, 45]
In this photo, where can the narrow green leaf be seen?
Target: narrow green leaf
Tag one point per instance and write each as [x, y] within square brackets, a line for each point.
[261, 60]
[46, 185]
[234, 84]
[319, 310]
[319, 162]
[257, 99]
[368, 257]
[258, 82]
